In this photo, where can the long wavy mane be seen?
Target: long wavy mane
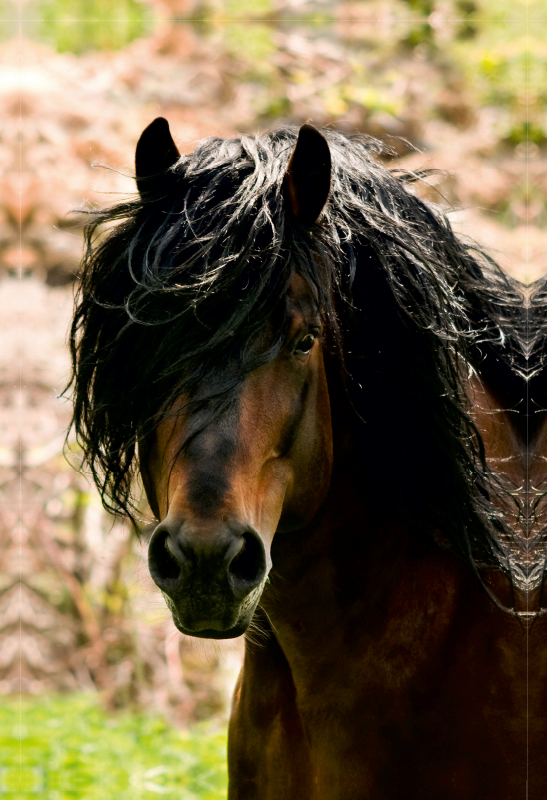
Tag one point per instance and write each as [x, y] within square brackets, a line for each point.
[189, 276]
[535, 347]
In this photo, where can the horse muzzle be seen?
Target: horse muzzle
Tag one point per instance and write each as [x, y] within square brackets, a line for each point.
[211, 576]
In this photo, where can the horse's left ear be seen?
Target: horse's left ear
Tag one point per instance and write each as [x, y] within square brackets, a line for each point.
[307, 179]
[156, 152]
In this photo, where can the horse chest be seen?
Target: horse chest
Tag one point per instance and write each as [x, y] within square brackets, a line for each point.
[424, 680]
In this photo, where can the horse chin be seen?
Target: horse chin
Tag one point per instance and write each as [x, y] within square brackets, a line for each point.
[234, 624]
[213, 633]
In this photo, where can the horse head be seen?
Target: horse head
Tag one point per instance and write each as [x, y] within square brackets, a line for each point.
[204, 327]
[223, 485]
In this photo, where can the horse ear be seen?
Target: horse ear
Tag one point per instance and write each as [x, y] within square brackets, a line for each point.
[156, 152]
[307, 179]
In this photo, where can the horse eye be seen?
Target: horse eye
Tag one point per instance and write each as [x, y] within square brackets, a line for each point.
[305, 345]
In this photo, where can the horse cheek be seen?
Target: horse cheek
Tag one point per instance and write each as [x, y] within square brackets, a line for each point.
[312, 456]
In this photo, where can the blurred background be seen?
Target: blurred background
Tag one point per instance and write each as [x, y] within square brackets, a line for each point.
[99, 694]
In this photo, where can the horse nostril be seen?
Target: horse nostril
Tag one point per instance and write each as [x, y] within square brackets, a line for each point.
[163, 564]
[249, 564]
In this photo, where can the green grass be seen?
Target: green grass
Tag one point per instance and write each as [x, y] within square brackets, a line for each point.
[67, 747]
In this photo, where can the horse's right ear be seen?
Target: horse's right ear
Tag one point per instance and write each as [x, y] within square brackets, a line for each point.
[156, 152]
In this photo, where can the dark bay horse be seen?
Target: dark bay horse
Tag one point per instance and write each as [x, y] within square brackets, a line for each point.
[325, 392]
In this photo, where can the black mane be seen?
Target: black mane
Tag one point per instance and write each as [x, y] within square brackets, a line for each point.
[190, 276]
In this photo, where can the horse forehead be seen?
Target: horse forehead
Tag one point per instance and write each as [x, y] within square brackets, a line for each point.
[303, 301]
[300, 291]
[218, 438]
[198, 432]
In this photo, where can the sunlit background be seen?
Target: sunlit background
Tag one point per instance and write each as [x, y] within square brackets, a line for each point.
[100, 695]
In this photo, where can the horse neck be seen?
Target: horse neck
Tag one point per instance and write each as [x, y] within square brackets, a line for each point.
[354, 520]
[537, 501]
[501, 432]
[515, 453]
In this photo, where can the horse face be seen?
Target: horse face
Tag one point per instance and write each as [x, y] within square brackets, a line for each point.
[262, 465]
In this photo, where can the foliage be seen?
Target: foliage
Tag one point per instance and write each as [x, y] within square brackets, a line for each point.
[353, 58]
[503, 59]
[67, 747]
[77, 26]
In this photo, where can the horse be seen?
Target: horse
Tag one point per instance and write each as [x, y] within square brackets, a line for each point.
[323, 390]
